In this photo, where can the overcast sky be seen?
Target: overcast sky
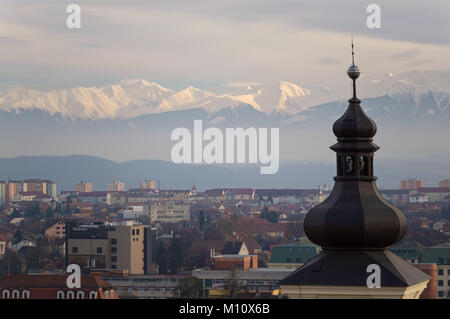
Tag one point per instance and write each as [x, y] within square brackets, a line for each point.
[210, 43]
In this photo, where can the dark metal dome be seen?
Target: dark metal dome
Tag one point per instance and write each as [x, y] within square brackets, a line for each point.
[354, 123]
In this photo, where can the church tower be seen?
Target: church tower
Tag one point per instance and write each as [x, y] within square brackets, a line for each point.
[355, 225]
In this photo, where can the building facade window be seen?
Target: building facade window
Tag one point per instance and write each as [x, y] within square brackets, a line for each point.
[440, 272]
[113, 241]
[5, 294]
[15, 294]
[74, 250]
[99, 250]
[26, 294]
[113, 250]
[440, 282]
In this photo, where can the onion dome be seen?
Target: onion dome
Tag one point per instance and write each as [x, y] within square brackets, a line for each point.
[355, 215]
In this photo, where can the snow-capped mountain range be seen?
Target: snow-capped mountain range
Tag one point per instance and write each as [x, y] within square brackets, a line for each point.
[134, 97]
[131, 98]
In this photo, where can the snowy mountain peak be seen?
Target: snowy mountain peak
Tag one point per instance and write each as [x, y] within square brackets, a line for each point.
[293, 90]
[133, 97]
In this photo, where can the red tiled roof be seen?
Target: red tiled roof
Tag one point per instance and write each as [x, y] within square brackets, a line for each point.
[434, 190]
[50, 281]
[96, 193]
[236, 191]
[267, 228]
[286, 192]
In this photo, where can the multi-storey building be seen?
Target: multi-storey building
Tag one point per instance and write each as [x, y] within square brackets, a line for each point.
[220, 194]
[56, 231]
[51, 189]
[289, 196]
[116, 186]
[147, 185]
[136, 211]
[161, 212]
[435, 194]
[34, 185]
[83, 187]
[439, 255]
[95, 197]
[3, 193]
[396, 196]
[110, 247]
[12, 188]
[255, 281]
[145, 286]
[411, 184]
[444, 183]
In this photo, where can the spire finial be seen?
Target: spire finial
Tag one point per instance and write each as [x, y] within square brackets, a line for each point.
[353, 72]
[353, 53]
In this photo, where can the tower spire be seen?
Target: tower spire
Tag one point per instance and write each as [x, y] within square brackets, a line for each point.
[354, 225]
[353, 72]
[353, 53]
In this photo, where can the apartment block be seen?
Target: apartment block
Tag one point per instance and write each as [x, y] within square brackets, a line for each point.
[83, 187]
[110, 247]
[440, 255]
[169, 212]
[56, 231]
[444, 183]
[411, 184]
[34, 185]
[435, 194]
[116, 186]
[147, 185]
[3, 193]
[256, 281]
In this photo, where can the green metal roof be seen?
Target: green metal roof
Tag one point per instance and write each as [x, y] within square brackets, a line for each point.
[439, 254]
[294, 253]
[407, 252]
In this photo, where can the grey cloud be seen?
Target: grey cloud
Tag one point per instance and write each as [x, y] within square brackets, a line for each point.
[408, 54]
[329, 61]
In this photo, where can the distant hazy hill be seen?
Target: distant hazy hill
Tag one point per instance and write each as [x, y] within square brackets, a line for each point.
[68, 170]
